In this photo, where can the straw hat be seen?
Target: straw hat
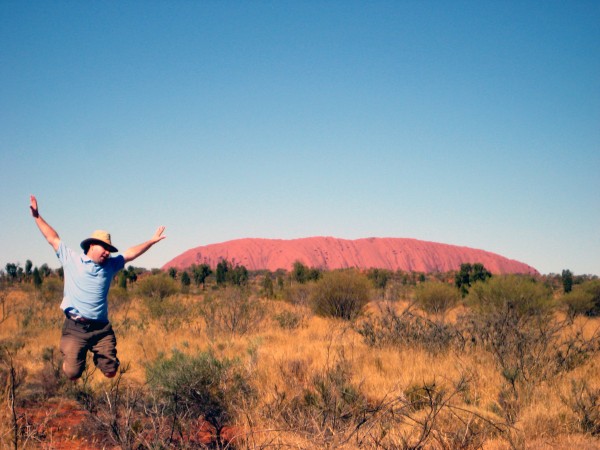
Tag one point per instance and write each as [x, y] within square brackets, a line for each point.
[99, 237]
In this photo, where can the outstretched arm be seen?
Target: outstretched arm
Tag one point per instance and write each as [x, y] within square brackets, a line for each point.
[48, 232]
[133, 252]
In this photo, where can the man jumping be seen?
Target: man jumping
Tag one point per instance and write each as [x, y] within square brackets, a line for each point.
[87, 278]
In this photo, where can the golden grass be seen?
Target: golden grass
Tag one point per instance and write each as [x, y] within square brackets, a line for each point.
[283, 361]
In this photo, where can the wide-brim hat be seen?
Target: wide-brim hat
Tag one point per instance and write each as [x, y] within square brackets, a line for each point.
[99, 237]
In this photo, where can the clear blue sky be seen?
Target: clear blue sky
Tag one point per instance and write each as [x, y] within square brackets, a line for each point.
[473, 123]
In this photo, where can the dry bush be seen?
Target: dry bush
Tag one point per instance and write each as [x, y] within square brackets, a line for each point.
[341, 294]
[232, 311]
[584, 401]
[514, 319]
[169, 312]
[299, 294]
[405, 329]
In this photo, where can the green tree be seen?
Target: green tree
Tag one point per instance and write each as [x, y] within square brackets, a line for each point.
[303, 274]
[185, 279]
[567, 281]
[267, 286]
[11, 270]
[223, 267]
[469, 274]
[200, 274]
[379, 277]
[299, 272]
[480, 273]
[37, 278]
[238, 276]
[28, 267]
[45, 270]
[132, 274]
[122, 279]
[462, 279]
[173, 272]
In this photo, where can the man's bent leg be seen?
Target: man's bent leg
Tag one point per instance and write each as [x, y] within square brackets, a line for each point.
[105, 352]
[73, 346]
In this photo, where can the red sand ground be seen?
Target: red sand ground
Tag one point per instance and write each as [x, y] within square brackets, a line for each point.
[333, 253]
[62, 424]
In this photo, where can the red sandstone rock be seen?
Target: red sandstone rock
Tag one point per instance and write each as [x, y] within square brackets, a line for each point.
[332, 253]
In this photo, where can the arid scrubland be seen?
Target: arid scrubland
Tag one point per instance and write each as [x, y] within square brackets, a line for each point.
[312, 360]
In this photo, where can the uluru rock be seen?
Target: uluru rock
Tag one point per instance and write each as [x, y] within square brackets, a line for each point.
[410, 255]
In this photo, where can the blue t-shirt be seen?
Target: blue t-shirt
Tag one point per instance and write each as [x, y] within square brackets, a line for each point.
[87, 283]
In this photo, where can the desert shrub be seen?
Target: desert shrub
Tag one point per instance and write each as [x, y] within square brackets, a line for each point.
[584, 402]
[519, 295]
[52, 291]
[41, 310]
[512, 318]
[436, 298]
[49, 380]
[324, 403]
[5, 309]
[341, 294]
[396, 290]
[118, 298]
[406, 329]
[299, 294]
[379, 277]
[12, 376]
[288, 320]
[157, 287]
[170, 312]
[201, 385]
[578, 302]
[232, 310]
[592, 288]
[267, 286]
[158, 296]
[437, 420]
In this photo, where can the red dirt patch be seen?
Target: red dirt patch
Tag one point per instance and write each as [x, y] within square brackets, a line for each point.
[58, 424]
[61, 424]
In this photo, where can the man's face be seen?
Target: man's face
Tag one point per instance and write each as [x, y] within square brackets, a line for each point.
[98, 253]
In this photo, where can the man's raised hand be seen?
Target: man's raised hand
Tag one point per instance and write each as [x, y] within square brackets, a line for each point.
[158, 235]
[33, 206]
